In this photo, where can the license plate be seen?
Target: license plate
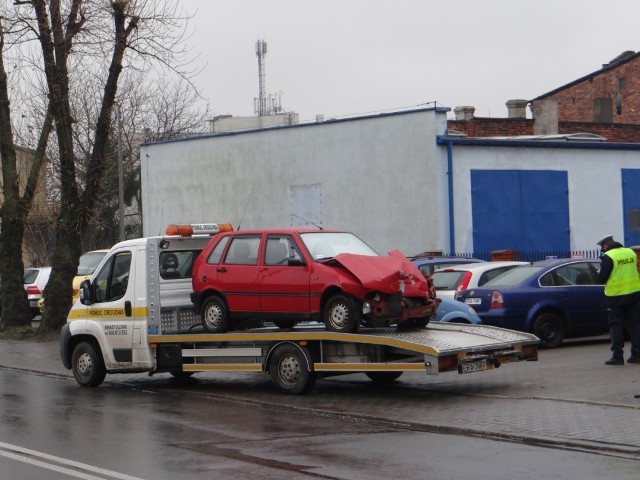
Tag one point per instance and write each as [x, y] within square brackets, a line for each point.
[473, 301]
[470, 367]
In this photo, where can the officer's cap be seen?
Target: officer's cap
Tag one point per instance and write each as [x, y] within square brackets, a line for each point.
[607, 239]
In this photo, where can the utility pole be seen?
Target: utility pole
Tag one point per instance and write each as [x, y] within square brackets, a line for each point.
[120, 173]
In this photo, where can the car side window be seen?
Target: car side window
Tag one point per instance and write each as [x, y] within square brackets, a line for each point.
[112, 281]
[280, 249]
[243, 250]
[491, 274]
[216, 253]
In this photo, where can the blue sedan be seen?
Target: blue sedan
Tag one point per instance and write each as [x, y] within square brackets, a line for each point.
[554, 299]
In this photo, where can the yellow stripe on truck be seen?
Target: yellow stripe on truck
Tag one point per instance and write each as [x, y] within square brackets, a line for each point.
[97, 313]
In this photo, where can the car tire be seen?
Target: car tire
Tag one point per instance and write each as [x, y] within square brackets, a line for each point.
[87, 365]
[215, 318]
[549, 328]
[289, 370]
[341, 314]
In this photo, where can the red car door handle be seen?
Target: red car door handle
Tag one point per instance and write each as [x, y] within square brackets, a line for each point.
[221, 269]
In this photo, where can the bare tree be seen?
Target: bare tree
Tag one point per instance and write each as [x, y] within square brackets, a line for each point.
[92, 37]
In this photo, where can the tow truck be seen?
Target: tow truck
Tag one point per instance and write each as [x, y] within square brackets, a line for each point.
[135, 315]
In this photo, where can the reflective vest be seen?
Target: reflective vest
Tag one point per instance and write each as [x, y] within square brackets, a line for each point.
[624, 277]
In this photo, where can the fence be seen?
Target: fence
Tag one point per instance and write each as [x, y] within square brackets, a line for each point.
[518, 255]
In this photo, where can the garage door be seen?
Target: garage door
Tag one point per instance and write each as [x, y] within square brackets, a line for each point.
[631, 205]
[524, 210]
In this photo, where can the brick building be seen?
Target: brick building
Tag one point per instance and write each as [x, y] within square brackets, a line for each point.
[605, 102]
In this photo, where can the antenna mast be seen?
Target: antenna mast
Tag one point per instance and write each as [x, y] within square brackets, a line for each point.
[261, 104]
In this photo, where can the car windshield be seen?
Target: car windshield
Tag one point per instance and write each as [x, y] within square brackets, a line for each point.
[324, 245]
[446, 280]
[89, 262]
[515, 276]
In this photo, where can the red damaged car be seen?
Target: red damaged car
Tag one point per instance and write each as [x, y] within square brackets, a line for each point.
[290, 275]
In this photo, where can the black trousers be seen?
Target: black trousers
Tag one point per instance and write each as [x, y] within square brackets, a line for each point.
[624, 317]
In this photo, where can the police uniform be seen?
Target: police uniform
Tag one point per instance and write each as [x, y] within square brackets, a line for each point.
[619, 274]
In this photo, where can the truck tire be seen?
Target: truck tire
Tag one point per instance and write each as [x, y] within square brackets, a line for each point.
[87, 365]
[383, 377]
[341, 315]
[549, 328]
[215, 318]
[289, 370]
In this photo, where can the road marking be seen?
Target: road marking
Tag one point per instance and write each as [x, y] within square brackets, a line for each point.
[14, 451]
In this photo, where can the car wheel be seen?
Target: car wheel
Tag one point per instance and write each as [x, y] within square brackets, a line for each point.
[285, 323]
[549, 328]
[215, 318]
[341, 314]
[289, 370]
[87, 365]
[383, 377]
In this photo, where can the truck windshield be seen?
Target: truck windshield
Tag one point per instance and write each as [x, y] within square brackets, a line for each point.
[323, 245]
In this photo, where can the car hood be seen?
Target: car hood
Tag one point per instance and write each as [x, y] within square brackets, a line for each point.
[385, 274]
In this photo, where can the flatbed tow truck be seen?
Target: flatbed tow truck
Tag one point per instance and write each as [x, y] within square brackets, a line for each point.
[133, 318]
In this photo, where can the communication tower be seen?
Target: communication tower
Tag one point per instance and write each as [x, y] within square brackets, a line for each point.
[264, 104]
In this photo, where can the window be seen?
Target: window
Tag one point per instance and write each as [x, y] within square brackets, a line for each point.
[216, 253]
[280, 250]
[243, 250]
[177, 264]
[112, 281]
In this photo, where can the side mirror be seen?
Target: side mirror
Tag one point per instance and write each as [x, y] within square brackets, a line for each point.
[86, 293]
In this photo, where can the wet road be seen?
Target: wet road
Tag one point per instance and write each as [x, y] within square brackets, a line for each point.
[135, 427]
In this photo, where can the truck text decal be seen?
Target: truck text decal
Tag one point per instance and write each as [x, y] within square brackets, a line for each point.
[115, 330]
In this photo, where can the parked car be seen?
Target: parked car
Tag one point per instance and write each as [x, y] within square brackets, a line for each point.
[452, 311]
[451, 280]
[35, 279]
[428, 265]
[554, 299]
[291, 275]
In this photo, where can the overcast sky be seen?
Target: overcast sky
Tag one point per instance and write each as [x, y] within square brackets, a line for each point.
[349, 57]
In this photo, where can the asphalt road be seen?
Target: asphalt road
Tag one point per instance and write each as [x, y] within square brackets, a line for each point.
[567, 416]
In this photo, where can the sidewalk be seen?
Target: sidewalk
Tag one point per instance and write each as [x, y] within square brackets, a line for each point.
[569, 398]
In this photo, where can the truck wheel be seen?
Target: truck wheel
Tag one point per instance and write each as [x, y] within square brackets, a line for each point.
[341, 315]
[289, 370]
[214, 315]
[383, 377]
[87, 365]
[549, 328]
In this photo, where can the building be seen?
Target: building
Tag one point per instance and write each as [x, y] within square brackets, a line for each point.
[401, 180]
[605, 102]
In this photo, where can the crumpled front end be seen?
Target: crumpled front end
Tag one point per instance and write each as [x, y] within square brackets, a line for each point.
[396, 290]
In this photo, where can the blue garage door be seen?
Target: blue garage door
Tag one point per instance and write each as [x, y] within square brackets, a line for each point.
[524, 210]
[631, 205]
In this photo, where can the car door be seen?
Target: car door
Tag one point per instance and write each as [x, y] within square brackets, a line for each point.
[237, 274]
[582, 297]
[284, 277]
[115, 308]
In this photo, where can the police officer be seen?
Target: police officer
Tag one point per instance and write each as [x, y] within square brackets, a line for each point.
[619, 274]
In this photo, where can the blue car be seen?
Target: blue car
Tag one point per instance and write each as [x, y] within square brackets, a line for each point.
[428, 265]
[452, 311]
[553, 299]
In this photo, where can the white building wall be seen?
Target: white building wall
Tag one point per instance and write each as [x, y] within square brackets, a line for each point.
[594, 183]
[382, 177]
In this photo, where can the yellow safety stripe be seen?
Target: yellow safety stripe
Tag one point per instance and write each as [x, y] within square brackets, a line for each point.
[111, 313]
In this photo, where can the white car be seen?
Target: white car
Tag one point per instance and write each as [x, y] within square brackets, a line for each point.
[35, 279]
[451, 280]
